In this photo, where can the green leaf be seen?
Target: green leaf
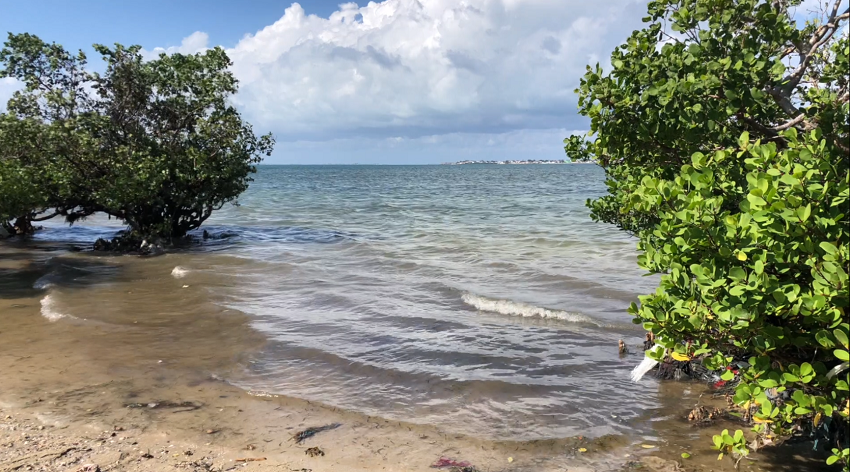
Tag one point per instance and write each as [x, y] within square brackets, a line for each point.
[744, 140]
[804, 212]
[756, 201]
[841, 354]
[768, 383]
[828, 248]
[841, 336]
[822, 337]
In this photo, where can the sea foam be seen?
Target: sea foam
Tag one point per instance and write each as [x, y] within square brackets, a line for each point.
[179, 272]
[48, 309]
[508, 307]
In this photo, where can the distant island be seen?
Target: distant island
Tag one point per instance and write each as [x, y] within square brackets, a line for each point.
[511, 162]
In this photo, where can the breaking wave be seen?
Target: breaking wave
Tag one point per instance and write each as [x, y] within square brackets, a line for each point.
[43, 282]
[48, 309]
[507, 307]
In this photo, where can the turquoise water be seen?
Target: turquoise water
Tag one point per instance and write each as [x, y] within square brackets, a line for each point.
[481, 298]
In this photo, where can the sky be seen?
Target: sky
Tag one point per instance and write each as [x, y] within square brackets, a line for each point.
[392, 82]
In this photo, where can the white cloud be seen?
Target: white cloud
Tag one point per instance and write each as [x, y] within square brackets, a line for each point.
[195, 42]
[408, 68]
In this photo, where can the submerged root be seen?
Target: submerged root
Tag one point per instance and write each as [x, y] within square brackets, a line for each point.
[702, 415]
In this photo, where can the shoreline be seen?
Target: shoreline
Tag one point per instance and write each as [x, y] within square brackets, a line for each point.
[131, 394]
[87, 384]
[164, 420]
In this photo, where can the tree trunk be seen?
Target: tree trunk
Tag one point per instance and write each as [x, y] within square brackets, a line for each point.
[23, 225]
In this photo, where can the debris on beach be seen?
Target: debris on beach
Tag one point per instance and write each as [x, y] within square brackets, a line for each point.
[300, 436]
[89, 468]
[314, 451]
[454, 465]
[186, 406]
[251, 459]
[623, 348]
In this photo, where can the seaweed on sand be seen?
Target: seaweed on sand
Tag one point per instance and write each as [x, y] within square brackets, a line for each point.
[456, 466]
[300, 436]
[185, 406]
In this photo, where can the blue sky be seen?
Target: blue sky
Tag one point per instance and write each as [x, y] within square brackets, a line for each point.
[398, 81]
[78, 23]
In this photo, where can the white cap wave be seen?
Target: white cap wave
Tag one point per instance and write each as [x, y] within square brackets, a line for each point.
[508, 307]
[48, 309]
[43, 282]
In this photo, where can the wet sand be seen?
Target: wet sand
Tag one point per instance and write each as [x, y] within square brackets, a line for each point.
[140, 389]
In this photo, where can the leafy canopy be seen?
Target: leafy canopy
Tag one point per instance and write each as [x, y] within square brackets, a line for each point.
[723, 130]
[153, 143]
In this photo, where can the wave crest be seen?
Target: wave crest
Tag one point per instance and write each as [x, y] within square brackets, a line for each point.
[48, 309]
[44, 282]
[508, 307]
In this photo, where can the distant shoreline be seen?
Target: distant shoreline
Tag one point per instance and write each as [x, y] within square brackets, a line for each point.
[515, 162]
[420, 165]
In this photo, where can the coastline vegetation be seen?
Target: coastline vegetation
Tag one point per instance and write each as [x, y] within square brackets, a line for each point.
[153, 143]
[722, 126]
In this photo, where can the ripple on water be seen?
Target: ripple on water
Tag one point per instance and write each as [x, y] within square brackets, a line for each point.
[483, 299]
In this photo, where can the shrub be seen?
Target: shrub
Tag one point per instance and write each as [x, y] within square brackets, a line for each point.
[723, 130]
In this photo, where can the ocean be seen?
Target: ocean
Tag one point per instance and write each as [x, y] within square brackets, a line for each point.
[480, 298]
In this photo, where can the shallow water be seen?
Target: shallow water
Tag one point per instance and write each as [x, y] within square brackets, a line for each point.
[479, 298]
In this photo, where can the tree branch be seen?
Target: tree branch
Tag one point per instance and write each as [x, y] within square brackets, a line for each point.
[43, 218]
[794, 122]
[818, 39]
